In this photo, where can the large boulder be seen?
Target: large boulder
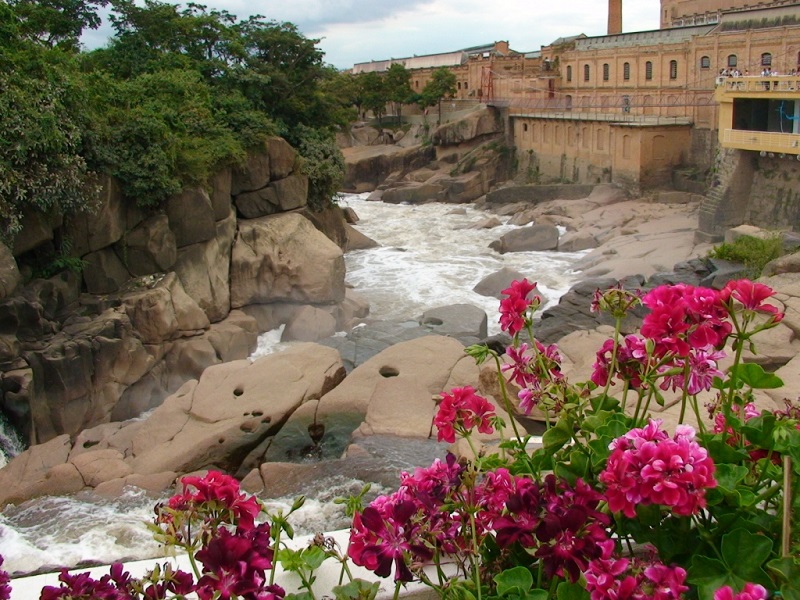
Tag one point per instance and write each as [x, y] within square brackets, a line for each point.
[465, 322]
[284, 258]
[413, 193]
[10, 277]
[221, 194]
[104, 272]
[233, 407]
[309, 324]
[38, 471]
[281, 195]
[474, 125]
[191, 217]
[367, 167]
[493, 284]
[204, 270]
[91, 231]
[527, 239]
[37, 229]
[148, 248]
[81, 373]
[165, 311]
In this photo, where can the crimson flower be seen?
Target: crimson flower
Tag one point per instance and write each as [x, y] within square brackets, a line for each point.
[752, 296]
[384, 534]
[514, 307]
[82, 586]
[462, 411]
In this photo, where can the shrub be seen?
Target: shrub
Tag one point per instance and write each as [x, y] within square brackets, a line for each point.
[753, 252]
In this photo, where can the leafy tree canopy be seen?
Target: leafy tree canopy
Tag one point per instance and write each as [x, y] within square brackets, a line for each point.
[177, 93]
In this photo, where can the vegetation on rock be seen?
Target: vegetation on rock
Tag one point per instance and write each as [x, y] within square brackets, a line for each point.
[176, 94]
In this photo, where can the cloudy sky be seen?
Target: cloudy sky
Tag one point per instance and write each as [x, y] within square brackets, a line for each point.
[353, 31]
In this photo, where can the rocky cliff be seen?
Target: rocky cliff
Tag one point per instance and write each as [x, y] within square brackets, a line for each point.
[160, 295]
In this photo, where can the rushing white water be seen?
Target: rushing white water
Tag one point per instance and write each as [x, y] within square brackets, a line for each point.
[428, 257]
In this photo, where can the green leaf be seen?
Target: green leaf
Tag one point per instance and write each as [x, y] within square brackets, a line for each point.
[786, 568]
[555, 437]
[357, 589]
[728, 476]
[745, 553]
[571, 591]
[709, 574]
[516, 580]
[314, 556]
[300, 596]
[757, 378]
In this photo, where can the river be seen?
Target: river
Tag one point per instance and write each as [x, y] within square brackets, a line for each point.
[429, 256]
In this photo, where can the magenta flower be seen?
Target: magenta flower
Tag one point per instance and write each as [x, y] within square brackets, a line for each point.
[5, 585]
[462, 411]
[631, 363]
[82, 585]
[751, 591]
[514, 307]
[647, 467]
[751, 296]
[702, 371]
[220, 491]
[384, 534]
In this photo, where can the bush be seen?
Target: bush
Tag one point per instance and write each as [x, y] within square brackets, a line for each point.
[754, 253]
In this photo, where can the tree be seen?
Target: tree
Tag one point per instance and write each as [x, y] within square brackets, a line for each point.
[57, 22]
[374, 94]
[441, 85]
[398, 87]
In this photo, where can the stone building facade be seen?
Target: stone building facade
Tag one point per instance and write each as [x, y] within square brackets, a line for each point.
[628, 107]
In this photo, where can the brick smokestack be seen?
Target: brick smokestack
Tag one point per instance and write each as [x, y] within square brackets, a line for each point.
[614, 17]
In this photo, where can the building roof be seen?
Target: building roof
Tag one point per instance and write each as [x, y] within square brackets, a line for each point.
[429, 61]
[642, 38]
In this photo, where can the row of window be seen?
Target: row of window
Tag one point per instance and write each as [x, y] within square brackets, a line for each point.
[733, 60]
[705, 63]
[626, 71]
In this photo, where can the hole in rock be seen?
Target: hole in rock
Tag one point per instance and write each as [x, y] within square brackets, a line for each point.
[389, 372]
[266, 420]
[221, 440]
[257, 413]
[238, 391]
[433, 321]
[90, 443]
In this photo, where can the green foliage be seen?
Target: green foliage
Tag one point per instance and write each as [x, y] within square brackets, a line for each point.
[322, 162]
[752, 252]
[40, 140]
[176, 94]
[374, 94]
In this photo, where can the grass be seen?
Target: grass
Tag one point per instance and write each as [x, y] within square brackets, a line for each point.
[753, 252]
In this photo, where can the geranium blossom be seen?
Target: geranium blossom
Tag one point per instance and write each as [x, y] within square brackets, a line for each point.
[751, 296]
[647, 467]
[514, 307]
[631, 363]
[751, 591]
[462, 411]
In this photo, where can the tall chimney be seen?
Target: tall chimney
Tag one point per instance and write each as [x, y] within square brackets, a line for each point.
[614, 17]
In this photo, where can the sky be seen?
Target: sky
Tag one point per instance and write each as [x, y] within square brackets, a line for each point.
[354, 31]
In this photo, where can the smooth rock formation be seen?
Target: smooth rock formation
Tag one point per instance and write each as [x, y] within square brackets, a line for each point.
[527, 239]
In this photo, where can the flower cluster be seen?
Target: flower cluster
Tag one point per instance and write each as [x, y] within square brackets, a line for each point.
[612, 577]
[646, 467]
[461, 411]
[751, 591]
[515, 307]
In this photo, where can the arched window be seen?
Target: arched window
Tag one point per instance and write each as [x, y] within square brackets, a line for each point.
[626, 71]
[568, 101]
[607, 71]
[459, 85]
[705, 62]
[766, 59]
[586, 72]
[648, 70]
[569, 72]
[732, 60]
[673, 69]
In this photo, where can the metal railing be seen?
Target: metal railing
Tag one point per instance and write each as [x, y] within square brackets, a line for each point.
[772, 83]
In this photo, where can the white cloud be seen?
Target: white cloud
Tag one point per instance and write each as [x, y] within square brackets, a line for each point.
[361, 30]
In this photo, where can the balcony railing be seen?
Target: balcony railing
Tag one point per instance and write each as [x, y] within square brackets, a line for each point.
[767, 141]
[775, 83]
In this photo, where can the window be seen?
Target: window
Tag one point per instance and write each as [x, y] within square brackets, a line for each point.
[459, 85]
[569, 72]
[626, 71]
[766, 59]
[705, 62]
[524, 127]
[466, 85]
[732, 60]
[673, 69]
[648, 70]
[606, 72]
[586, 72]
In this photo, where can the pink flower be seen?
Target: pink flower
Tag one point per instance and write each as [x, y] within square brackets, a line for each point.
[631, 362]
[751, 591]
[751, 295]
[462, 411]
[611, 577]
[514, 307]
[647, 467]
